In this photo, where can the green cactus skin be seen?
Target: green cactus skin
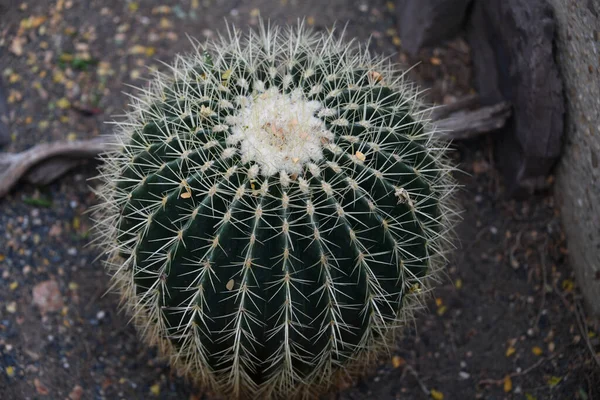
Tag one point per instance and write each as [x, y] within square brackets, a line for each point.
[273, 211]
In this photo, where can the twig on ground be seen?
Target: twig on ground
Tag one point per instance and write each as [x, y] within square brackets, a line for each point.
[543, 302]
[515, 374]
[580, 318]
[408, 368]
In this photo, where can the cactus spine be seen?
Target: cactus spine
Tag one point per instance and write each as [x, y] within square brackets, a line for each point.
[273, 210]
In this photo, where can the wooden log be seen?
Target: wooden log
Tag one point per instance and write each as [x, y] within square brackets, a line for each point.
[423, 23]
[513, 58]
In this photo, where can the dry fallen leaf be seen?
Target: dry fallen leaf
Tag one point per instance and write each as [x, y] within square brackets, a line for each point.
[507, 384]
[39, 387]
[510, 351]
[398, 361]
[155, 389]
[230, 284]
[16, 47]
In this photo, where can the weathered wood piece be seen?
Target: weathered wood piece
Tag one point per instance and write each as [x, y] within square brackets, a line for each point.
[45, 162]
[513, 58]
[423, 23]
[462, 125]
[15, 166]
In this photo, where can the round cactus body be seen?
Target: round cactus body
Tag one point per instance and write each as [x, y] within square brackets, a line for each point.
[273, 209]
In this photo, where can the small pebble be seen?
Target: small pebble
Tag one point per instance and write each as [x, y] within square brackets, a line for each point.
[518, 390]
[47, 296]
[100, 314]
[11, 307]
[464, 375]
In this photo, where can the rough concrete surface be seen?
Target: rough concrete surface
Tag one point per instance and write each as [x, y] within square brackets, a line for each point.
[578, 183]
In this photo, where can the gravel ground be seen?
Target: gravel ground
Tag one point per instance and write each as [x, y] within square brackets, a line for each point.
[505, 323]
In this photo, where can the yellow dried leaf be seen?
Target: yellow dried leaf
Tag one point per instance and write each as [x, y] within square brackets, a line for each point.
[165, 23]
[458, 283]
[137, 49]
[230, 284]
[133, 7]
[10, 371]
[442, 310]
[58, 76]
[507, 384]
[195, 4]
[186, 195]
[14, 285]
[360, 156]
[397, 41]
[537, 350]
[161, 10]
[155, 389]
[435, 60]
[32, 22]
[436, 395]
[554, 380]
[568, 285]
[63, 103]
[510, 351]
[398, 361]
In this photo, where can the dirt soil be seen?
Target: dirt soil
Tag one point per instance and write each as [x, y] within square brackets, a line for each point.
[505, 323]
